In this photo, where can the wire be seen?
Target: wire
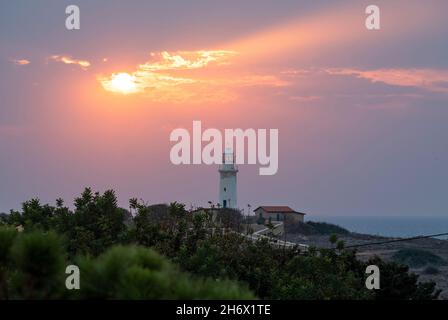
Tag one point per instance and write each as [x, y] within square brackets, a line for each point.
[397, 240]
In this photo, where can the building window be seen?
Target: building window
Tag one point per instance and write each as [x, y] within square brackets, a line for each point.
[225, 189]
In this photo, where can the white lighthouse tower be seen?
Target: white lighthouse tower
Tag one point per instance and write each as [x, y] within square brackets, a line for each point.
[227, 181]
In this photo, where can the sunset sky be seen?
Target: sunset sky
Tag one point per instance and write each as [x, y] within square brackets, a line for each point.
[362, 115]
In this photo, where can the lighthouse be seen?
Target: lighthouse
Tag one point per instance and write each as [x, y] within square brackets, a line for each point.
[227, 181]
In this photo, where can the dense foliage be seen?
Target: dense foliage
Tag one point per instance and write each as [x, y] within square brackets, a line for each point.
[33, 267]
[204, 244]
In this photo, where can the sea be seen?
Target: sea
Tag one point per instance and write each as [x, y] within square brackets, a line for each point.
[390, 226]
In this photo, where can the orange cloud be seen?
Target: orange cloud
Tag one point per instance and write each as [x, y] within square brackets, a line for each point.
[429, 79]
[185, 60]
[187, 76]
[20, 62]
[69, 60]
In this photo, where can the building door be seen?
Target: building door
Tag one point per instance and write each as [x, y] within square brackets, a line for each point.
[224, 203]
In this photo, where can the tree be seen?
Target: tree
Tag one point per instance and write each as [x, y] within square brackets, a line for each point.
[98, 222]
[398, 283]
[36, 266]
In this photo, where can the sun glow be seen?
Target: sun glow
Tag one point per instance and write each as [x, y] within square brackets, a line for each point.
[121, 83]
[187, 76]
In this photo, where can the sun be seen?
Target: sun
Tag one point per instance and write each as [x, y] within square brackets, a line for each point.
[122, 83]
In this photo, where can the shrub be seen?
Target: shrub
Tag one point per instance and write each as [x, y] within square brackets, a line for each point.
[139, 273]
[7, 236]
[37, 266]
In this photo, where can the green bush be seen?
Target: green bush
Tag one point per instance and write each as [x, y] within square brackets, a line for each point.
[322, 277]
[7, 236]
[140, 273]
[37, 266]
[32, 265]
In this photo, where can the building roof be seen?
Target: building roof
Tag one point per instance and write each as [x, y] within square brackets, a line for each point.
[281, 209]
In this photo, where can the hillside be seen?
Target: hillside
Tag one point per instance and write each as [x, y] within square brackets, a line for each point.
[426, 257]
